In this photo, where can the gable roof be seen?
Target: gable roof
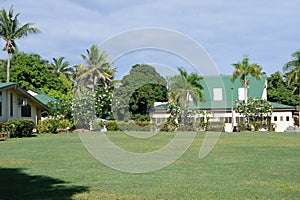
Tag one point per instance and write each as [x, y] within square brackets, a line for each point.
[41, 98]
[229, 90]
[280, 106]
[4, 86]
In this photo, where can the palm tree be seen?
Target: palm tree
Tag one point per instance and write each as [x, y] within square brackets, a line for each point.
[192, 86]
[184, 86]
[244, 69]
[293, 75]
[10, 30]
[96, 70]
[60, 67]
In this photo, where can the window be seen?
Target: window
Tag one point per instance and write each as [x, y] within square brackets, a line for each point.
[241, 94]
[0, 103]
[11, 105]
[287, 118]
[239, 119]
[26, 111]
[275, 118]
[281, 118]
[228, 120]
[218, 94]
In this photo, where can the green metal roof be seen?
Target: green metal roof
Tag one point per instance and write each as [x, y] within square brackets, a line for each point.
[4, 85]
[229, 90]
[43, 97]
[282, 106]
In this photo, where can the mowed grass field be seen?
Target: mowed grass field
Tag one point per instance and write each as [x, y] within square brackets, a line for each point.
[241, 166]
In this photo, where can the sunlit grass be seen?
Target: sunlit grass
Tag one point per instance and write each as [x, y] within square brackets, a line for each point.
[241, 166]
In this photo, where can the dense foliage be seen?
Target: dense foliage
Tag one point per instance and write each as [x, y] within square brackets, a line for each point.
[257, 112]
[31, 71]
[83, 110]
[19, 127]
[137, 93]
[280, 92]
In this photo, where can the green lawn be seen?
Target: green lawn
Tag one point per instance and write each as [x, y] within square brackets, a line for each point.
[241, 166]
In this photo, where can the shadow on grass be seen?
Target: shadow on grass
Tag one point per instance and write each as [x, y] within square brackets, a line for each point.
[15, 184]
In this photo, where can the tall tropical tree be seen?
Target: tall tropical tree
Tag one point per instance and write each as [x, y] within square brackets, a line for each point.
[293, 73]
[184, 86]
[244, 69]
[95, 69]
[10, 30]
[60, 67]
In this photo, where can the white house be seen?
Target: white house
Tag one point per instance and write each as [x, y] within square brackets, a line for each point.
[16, 102]
[220, 93]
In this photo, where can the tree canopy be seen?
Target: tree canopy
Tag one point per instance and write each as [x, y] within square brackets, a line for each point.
[31, 71]
[280, 92]
[137, 93]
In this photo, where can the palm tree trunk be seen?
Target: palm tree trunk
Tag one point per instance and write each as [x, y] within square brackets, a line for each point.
[245, 93]
[8, 68]
[246, 100]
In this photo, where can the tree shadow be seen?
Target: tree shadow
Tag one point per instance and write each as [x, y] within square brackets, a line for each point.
[15, 184]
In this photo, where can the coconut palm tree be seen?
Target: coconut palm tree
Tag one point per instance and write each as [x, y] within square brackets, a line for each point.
[96, 70]
[183, 89]
[10, 30]
[244, 69]
[293, 75]
[60, 67]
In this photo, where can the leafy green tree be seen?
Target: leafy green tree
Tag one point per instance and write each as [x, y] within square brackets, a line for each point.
[244, 69]
[280, 92]
[83, 110]
[11, 30]
[256, 110]
[103, 103]
[96, 69]
[31, 71]
[137, 93]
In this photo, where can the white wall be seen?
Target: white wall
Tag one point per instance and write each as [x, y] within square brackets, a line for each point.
[6, 115]
[282, 120]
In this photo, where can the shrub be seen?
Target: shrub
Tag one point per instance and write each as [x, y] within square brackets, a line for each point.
[242, 126]
[19, 127]
[136, 126]
[98, 125]
[216, 126]
[48, 126]
[64, 124]
[203, 125]
[168, 127]
[112, 126]
[189, 127]
[1, 126]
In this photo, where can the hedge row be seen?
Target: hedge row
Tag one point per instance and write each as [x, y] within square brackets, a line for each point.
[18, 127]
[124, 126]
[53, 125]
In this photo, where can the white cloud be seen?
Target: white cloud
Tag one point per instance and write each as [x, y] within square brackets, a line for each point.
[265, 30]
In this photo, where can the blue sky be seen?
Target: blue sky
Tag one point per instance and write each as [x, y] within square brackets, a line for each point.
[267, 31]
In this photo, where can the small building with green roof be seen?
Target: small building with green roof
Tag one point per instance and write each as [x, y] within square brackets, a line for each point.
[220, 93]
[15, 102]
